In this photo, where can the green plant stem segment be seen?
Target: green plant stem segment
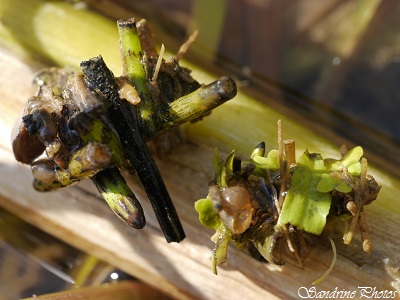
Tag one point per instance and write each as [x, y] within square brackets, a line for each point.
[199, 102]
[112, 186]
[85, 163]
[100, 131]
[109, 182]
[134, 70]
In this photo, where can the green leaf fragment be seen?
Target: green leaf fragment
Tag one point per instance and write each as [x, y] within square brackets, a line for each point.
[355, 169]
[227, 170]
[207, 216]
[221, 238]
[350, 161]
[305, 207]
[352, 156]
[330, 182]
[223, 169]
[258, 151]
[271, 162]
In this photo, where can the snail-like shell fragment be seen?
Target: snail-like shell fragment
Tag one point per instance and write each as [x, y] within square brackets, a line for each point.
[234, 207]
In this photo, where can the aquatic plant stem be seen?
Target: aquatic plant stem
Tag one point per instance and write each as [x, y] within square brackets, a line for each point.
[199, 102]
[134, 70]
[114, 189]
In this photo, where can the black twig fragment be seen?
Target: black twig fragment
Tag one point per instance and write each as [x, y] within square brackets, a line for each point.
[124, 118]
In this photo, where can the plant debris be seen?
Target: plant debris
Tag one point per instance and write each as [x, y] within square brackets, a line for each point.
[91, 124]
[267, 200]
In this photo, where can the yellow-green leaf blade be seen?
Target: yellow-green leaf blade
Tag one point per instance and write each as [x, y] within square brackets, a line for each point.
[305, 207]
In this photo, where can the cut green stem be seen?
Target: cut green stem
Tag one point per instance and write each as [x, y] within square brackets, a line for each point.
[199, 102]
[112, 186]
[134, 70]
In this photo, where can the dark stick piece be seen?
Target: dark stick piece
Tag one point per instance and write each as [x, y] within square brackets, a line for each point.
[124, 117]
